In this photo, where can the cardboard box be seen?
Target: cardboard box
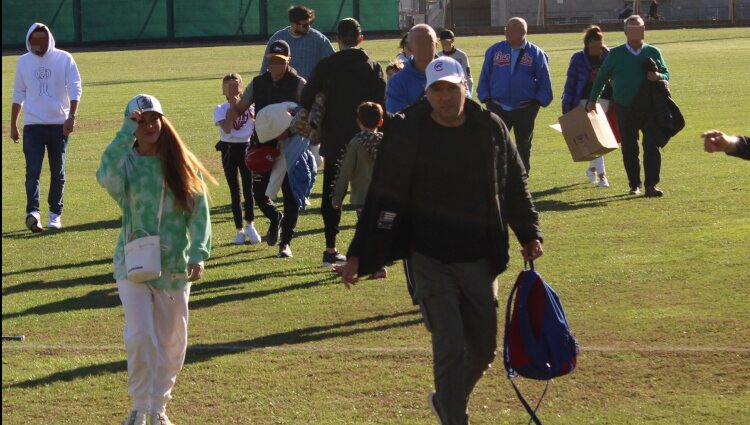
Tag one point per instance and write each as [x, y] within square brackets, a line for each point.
[587, 134]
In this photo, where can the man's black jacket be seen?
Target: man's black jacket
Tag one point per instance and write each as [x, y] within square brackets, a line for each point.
[383, 230]
[347, 78]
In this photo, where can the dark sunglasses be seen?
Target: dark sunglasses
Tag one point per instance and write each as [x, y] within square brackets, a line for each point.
[305, 25]
[276, 61]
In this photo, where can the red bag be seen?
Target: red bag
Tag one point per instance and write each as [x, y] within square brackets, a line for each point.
[612, 118]
[260, 158]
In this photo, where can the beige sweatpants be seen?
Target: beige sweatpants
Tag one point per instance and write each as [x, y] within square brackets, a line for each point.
[155, 340]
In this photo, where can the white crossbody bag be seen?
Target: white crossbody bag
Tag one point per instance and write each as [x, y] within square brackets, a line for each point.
[143, 255]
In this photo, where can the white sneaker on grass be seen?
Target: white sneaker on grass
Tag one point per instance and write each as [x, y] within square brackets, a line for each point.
[241, 237]
[34, 221]
[160, 418]
[252, 234]
[54, 221]
[603, 182]
[136, 417]
[591, 174]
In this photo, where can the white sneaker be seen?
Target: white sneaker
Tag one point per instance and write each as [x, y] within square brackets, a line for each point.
[240, 238]
[252, 234]
[136, 417]
[54, 221]
[158, 418]
[34, 221]
[603, 181]
[591, 174]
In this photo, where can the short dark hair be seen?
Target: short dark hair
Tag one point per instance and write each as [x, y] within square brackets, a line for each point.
[300, 13]
[403, 41]
[369, 114]
[40, 28]
[349, 32]
[593, 33]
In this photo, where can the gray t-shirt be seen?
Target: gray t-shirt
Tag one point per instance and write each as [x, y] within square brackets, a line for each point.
[461, 57]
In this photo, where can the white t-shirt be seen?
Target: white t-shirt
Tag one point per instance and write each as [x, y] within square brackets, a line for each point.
[242, 128]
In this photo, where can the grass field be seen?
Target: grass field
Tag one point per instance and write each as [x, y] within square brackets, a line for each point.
[656, 290]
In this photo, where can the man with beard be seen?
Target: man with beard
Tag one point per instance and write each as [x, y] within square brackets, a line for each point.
[307, 45]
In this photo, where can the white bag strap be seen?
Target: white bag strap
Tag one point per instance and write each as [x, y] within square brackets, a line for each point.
[161, 208]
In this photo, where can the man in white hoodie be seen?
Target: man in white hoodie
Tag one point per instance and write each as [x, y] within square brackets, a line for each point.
[49, 85]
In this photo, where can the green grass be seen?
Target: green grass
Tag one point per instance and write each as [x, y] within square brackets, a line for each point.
[657, 290]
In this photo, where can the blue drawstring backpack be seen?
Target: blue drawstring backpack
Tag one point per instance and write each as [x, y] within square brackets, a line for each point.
[538, 343]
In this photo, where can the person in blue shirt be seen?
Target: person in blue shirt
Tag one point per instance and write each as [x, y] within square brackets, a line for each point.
[515, 82]
[406, 87]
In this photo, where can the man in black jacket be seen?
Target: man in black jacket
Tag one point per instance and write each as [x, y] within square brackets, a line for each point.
[347, 78]
[447, 183]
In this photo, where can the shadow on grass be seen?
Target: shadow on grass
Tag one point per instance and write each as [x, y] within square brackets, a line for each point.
[202, 353]
[101, 298]
[39, 285]
[84, 227]
[217, 286]
[557, 205]
[100, 262]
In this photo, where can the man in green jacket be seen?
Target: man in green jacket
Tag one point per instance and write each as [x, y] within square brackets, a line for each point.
[625, 67]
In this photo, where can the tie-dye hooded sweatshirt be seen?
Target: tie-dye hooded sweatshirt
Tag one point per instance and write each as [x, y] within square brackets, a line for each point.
[135, 182]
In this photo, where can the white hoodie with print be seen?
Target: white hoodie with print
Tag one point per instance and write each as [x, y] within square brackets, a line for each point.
[45, 85]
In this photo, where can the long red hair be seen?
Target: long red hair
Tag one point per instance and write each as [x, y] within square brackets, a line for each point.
[183, 172]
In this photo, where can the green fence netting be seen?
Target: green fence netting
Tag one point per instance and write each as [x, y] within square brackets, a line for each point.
[92, 21]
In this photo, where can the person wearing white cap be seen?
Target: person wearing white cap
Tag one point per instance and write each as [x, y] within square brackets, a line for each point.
[442, 167]
[158, 184]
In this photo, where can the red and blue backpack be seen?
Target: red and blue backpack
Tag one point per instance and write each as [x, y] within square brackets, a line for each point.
[538, 343]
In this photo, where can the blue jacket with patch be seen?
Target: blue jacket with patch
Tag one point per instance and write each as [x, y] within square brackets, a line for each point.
[530, 80]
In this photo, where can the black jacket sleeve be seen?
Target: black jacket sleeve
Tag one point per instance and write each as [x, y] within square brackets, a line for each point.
[743, 148]
[517, 205]
[314, 85]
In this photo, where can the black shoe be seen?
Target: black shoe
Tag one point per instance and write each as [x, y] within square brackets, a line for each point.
[333, 258]
[274, 231]
[635, 190]
[285, 251]
[653, 192]
[33, 222]
[432, 401]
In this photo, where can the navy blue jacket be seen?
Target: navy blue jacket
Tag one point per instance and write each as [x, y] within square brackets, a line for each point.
[579, 72]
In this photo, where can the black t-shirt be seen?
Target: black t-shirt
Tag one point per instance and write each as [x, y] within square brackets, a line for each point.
[450, 195]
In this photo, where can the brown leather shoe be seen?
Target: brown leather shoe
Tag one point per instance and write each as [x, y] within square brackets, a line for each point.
[654, 192]
[635, 190]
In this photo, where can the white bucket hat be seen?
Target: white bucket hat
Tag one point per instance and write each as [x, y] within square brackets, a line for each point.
[273, 120]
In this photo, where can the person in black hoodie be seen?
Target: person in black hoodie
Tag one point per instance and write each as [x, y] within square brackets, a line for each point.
[347, 78]
[447, 183]
[280, 83]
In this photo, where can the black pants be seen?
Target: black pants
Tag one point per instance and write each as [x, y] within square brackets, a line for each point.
[458, 305]
[331, 216]
[264, 203]
[233, 160]
[291, 213]
[630, 154]
[521, 121]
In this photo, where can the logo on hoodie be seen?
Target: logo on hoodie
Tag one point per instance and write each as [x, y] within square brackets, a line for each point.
[43, 75]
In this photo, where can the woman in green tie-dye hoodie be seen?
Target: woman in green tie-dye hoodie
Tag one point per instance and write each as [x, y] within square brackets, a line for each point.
[145, 160]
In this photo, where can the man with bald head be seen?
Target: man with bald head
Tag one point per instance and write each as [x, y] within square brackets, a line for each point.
[515, 82]
[406, 87]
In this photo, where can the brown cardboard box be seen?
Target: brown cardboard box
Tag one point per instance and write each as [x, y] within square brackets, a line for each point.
[587, 134]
